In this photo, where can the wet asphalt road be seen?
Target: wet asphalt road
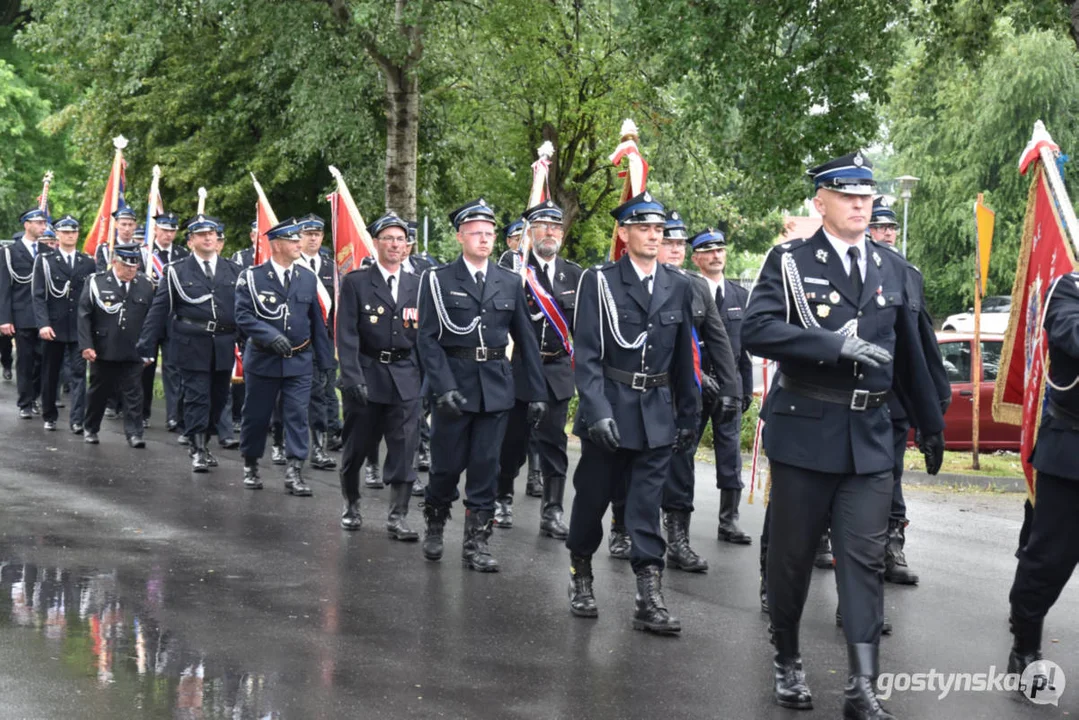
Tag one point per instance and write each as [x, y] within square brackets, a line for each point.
[131, 588]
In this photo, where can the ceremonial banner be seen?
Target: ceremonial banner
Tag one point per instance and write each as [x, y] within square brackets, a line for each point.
[102, 229]
[636, 175]
[1044, 255]
[152, 262]
[351, 241]
[265, 219]
[984, 221]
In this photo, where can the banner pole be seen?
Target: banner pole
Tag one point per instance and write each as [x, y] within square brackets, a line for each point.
[1056, 183]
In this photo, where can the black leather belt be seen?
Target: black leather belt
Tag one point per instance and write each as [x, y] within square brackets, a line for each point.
[207, 325]
[550, 357]
[480, 354]
[857, 400]
[387, 356]
[637, 381]
[1069, 419]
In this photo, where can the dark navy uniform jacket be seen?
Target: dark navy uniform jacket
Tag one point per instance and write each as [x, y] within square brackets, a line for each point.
[717, 358]
[16, 274]
[732, 312]
[557, 367]
[175, 252]
[370, 321]
[244, 258]
[114, 336]
[57, 288]
[825, 436]
[648, 418]
[259, 292]
[1058, 435]
[103, 259]
[503, 312]
[195, 333]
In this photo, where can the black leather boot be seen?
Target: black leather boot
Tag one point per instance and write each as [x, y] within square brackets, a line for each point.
[619, 543]
[372, 476]
[475, 552]
[582, 602]
[680, 555]
[435, 517]
[885, 624]
[278, 456]
[334, 442]
[728, 518]
[503, 518]
[860, 700]
[252, 481]
[199, 462]
[651, 614]
[319, 459]
[534, 484]
[397, 523]
[791, 690]
[294, 482]
[423, 456]
[764, 578]
[210, 459]
[1026, 644]
[824, 558]
[895, 561]
[551, 517]
[418, 488]
[350, 491]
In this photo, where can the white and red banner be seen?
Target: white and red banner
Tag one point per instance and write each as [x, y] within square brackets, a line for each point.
[102, 231]
[265, 219]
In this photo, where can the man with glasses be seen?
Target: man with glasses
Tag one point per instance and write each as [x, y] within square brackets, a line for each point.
[380, 373]
[552, 298]
[468, 311]
[17, 308]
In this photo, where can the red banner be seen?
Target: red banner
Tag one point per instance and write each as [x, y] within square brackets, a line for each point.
[102, 229]
[1045, 254]
[348, 246]
[635, 174]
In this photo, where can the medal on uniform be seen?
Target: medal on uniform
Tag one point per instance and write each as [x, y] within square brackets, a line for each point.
[834, 297]
[374, 319]
[381, 309]
[824, 311]
[822, 256]
[880, 297]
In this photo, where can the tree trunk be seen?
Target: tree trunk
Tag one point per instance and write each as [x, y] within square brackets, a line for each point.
[1074, 17]
[402, 135]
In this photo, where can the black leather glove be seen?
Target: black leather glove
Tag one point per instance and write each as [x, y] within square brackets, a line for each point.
[683, 440]
[932, 447]
[357, 394]
[536, 413]
[281, 346]
[451, 403]
[858, 350]
[747, 400]
[709, 392]
[728, 408]
[605, 434]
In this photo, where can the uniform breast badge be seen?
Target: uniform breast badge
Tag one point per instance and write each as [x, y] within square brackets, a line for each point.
[822, 256]
[834, 297]
[824, 311]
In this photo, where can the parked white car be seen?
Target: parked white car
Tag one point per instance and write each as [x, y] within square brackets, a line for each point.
[995, 312]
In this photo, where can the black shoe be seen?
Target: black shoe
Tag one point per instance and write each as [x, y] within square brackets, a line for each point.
[90, 438]
[60, 403]
[333, 441]
[146, 423]
[236, 427]
[372, 476]
[728, 519]
[319, 459]
[534, 484]
[1026, 644]
[35, 407]
[503, 512]
[294, 482]
[136, 441]
[680, 555]
[229, 443]
[50, 425]
[552, 523]
[171, 425]
[423, 457]
[764, 578]
[651, 614]
[475, 552]
[252, 481]
[582, 601]
[350, 516]
[397, 522]
[111, 414]
[76, 429]
[790, 688]
[277, 455]
[7, 373]
[183, 439]
[417, 488]
[210, 459]
[824, 558]
[860, 700]
[435, 518]
[895, 561]
[200, 461]
[25, 414]
[618, 542]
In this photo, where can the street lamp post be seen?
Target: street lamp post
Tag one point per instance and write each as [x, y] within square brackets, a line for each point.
[906, 189]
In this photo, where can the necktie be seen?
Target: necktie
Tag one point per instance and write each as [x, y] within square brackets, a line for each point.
[209, 270]
[479, 278]
[393, 288]
[71, 262]
[647, 282]
[165, 257]
[33, 249]
[547, 274]
[719, 296]
[314, 266]
[123, 290]
[855, 271]
[288, 278]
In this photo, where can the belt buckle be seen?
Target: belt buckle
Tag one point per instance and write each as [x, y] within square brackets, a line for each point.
[211, 326]
[481, 354]
[859, 400]
[385, 357]
[638, 382]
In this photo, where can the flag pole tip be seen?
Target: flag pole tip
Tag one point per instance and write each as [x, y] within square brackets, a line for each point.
[546, 150]
[335, 172]
[202, 192]
[629, 128]
[119, 142]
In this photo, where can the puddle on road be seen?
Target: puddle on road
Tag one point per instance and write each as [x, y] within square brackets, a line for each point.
[83, 618]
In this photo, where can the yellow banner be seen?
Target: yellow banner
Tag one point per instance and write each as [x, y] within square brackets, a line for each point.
[984, 219]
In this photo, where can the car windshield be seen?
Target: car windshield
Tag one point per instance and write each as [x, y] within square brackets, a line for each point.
[997, 304]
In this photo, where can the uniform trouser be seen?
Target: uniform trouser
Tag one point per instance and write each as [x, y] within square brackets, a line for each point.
[205, 393]
[55, 356]
[1050, 554]
[260, 397]
[364, 426]
[5, 351]
[900, 431]
[316, 409]
[549, 439]
[332, 406]
[27, 365]
[224, 420]
[237, 403]
[678, 490]
[170, 381]
[727, 446]
[466, 444]
[109, 379]
[801, 502]
[643, 472]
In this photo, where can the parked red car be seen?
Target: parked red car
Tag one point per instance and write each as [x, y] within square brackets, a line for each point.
[959, 420]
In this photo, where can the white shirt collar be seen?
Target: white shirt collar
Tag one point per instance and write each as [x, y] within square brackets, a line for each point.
[163, 249]
[641, 274]
[842, 247]
[386, 274]
[280, 270]
[714, 285]
[29, 244]
[473, 269]
[117, 278]
[308, 258]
